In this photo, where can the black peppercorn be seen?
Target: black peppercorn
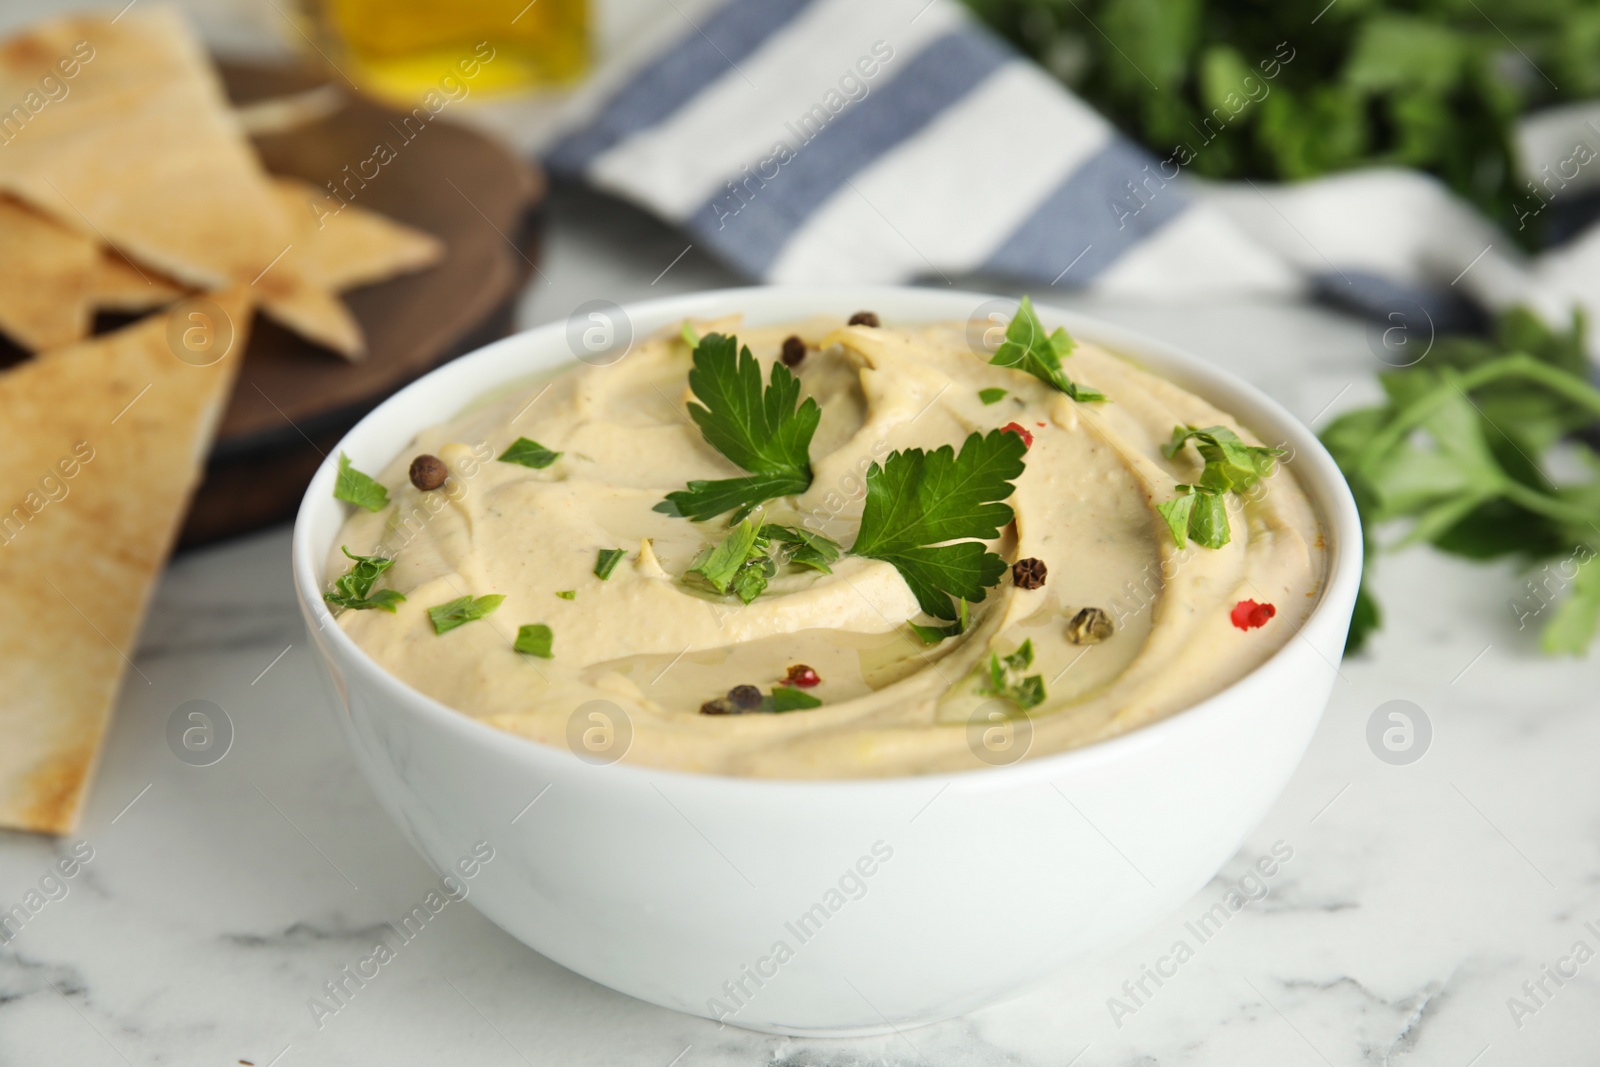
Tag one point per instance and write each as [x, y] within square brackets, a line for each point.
[1028, 573]
[428, 472]
[794, 350]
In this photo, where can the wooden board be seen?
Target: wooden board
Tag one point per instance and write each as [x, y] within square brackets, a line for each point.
[293, 400]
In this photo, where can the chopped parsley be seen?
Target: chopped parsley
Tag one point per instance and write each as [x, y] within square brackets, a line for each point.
[917, 501]
[738, 563]
[1200, 511]
[991, 396]
[568, 594]
[607, 562]
[359, 489]
[1003, 678]
[351, 591]
[764, 431]
[747, 699]
[529, 454]
[462, 610]
[804, 547]
[743, 562]
[1028, 348]
[534, 639]
[788, 698]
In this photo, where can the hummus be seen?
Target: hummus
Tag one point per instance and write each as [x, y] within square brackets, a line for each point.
[652, 648]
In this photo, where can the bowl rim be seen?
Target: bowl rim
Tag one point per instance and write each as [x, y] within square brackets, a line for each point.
[1316, 472]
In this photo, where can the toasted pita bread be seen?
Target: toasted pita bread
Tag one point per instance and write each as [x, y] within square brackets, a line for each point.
[335, 247]
[142, 151]
[104, 442]
[117, 285]
[44, 279]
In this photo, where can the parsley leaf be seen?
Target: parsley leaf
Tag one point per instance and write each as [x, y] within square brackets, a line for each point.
[1003, 678]
[991, 396]
[932, 635]
[568, 594]
[535, 639]
[607, 561]
[1230, 463]
[1027, 348]
[918, 500]
[351, 590]
[357, 488]
[462, 610]
[529, 454]
[764, 431]
[1577, 618]
[1199, 511]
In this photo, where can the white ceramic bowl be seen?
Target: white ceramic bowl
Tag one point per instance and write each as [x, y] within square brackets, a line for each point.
[922, 897]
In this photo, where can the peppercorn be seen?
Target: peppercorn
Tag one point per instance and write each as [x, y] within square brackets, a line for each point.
[1021, 431]
[864, 318]
[744, 696]
[428, 472]
[1028, 573]
[794, 350]
[1089, 627]
[740, 699]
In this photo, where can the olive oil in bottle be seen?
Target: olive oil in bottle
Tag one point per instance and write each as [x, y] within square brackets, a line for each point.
[403, 49]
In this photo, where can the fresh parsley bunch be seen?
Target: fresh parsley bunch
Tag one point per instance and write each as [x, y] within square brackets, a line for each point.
[1257, 89]
[1461, 451]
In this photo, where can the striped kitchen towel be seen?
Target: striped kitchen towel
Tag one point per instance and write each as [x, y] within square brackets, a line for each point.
[890, 140]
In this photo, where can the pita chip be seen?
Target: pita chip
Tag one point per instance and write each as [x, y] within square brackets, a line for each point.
[44, 279]
[117, 285]
[141, 150]
[333, 247]
[344, 246]
[315, 314]
[104, 442]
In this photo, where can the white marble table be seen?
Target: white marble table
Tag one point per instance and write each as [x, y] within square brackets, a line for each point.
[1418, 899]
